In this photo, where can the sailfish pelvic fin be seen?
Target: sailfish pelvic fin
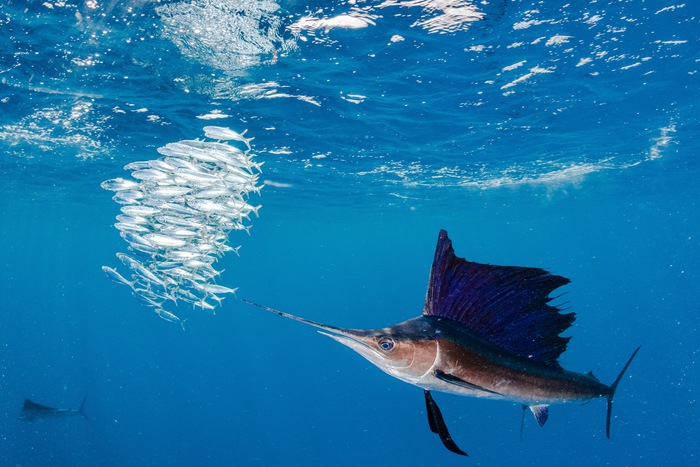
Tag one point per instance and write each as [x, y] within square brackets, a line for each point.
[541, 413]
[437, 424]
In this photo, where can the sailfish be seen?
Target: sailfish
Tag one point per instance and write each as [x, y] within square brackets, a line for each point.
[486, 331]
[32, 411]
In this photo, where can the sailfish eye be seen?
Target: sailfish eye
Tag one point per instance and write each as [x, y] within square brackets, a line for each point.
[386, 344]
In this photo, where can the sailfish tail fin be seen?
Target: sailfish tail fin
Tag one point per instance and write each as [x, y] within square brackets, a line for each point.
[81, 410]
[613, 387]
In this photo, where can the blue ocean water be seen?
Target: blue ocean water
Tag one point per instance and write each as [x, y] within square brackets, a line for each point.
[560, 136]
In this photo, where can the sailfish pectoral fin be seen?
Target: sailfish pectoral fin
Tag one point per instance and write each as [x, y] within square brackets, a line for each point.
[448, 378]
[437, 424]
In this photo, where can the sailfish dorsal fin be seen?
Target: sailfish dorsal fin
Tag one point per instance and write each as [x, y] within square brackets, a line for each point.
[31, 405]
[507, 306]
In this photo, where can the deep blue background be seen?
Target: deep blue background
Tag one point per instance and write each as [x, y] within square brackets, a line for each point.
[558, 174]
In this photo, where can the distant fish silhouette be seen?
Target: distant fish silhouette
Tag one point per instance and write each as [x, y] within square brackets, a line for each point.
[32, 411]
[486, 331]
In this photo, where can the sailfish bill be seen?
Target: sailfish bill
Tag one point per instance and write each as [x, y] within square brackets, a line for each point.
[486, 331]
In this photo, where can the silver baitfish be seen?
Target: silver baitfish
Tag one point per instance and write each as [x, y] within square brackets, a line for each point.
[176, 216]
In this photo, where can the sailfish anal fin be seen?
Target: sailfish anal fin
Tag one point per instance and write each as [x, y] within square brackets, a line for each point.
[507, 306]
[541, 413]
[437, 424]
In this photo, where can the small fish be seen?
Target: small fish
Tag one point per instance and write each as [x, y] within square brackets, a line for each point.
[150, 175]
[190, 151]
[215, 297]
[156, 296]
[240, 226]
[179, 221]
[235, 154]
[242, 171]
[181, 255]
[164, 265]
[141, 270]
[207, 271]
[226, 134]
[197, 177]
[486, 331]
[138, 165]
[128, 196]
[119, 184]
[169, 191]
[140, 211]
[181, 274]
[224, 248]
[161, 164]
[236, 250]
[229, 155]
[164, 241]
[134, 228]
[149, 298]
[177, 232]
[212, 192]
[138, 243]
[200, 248]
[215, 289]
[180, 163]
[118, 278]
[189, 296]
[197, 263]
[203, 304]
[32, 411]
[243, 207]
[170, 317]
[207, 205]
[172, 208]
[236, 180]
[176, 150]
[135, 220]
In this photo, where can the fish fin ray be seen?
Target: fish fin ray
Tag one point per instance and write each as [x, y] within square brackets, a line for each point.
[507, 306]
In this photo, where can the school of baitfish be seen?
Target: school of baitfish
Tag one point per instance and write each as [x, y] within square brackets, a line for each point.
[176, 216]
